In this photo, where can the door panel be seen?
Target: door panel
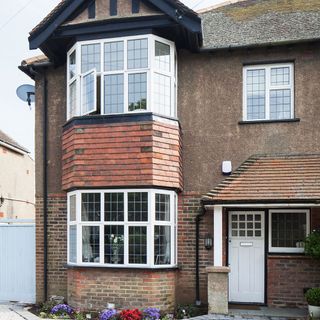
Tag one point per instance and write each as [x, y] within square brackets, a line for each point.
[246, 256]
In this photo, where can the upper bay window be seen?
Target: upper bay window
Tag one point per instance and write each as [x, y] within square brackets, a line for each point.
[122, 75]
[122, 228]
[268, 92]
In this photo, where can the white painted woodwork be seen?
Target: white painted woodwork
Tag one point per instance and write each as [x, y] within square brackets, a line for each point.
[247, 263]
[217, 236]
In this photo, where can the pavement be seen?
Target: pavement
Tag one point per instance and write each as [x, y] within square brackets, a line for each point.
[15, 311]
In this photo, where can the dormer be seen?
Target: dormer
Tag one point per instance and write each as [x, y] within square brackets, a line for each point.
[120, 54]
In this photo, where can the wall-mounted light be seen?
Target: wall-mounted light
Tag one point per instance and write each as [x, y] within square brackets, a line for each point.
[1, 201]
[208, 241]
[226, 167]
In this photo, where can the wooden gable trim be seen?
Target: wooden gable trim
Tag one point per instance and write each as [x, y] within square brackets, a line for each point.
[92, 10]
[135, 6]
[113, 7]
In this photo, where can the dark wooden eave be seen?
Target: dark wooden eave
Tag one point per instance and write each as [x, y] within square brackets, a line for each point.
[175, 15]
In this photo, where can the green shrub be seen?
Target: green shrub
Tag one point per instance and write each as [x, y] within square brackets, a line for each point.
[185, 311]
[313, 297]
[312, 244]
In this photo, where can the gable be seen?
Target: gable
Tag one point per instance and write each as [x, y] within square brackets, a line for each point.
[122, 8]
[74, 20]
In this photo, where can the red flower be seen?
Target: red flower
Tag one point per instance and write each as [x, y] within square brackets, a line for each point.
[134, 314]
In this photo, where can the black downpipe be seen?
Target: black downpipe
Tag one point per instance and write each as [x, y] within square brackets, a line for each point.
[198, 220]
[45, 186]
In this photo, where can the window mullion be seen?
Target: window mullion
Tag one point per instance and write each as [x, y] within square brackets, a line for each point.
[150, 74]
[151, 215]
[102, 222]
[126, 230]
[267, 99]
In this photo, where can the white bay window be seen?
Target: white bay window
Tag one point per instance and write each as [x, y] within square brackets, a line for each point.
[122, 228]
[122, 75]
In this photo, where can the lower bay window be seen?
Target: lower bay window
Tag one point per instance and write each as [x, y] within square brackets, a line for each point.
[122, 228]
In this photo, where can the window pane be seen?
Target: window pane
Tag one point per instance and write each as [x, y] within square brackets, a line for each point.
[90, 209]
[73, 99]
[90, 244]
[114, 207]
[113, 56]
[73, 244]
[113, 93]
[72, 65]
[162, 94]
[138, 206]
[162, 207]
[162, 247]
[114, 244]
[280, 104]
[88, 93]
[280, 76]
[138, 245]
[73, 208]
[256, 94]
[137, 90]
[90, 57]
[162, 56]
[138, 54]
[288, 229]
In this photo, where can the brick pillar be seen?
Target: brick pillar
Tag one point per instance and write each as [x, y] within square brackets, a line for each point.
[218, 289]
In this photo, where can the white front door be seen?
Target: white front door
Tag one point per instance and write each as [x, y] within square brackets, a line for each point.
[246, 256]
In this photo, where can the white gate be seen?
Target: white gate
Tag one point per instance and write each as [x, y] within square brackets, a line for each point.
[17, 262]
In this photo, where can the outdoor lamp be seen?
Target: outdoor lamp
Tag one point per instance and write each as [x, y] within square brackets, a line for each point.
[208, 241]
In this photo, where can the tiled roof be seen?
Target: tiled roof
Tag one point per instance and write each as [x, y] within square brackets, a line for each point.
[64, 3]
[9, 141]
[279, 178]
[36, 59]
[261, 22]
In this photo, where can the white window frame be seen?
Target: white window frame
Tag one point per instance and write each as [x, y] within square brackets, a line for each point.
[150, 224]
[269, 87]
[150, 70]
[285, 249]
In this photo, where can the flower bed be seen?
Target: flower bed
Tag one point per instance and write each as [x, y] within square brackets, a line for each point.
[51, 310]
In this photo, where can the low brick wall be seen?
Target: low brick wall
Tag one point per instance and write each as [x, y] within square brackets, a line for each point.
[93, 288]
[288, 276]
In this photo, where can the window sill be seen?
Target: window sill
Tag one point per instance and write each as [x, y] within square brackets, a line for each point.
[287, 255]
[268, 121]
[144, 268]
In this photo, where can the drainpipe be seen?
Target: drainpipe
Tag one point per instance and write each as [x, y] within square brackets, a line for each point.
[198, 220]
[45, 185]
[33, 72]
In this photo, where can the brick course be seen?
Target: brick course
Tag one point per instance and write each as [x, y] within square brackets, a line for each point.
[93, 288]
[113, 155]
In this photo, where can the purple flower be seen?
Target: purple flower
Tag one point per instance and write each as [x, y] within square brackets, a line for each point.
[151, 313]
[62, 309]
[107, 314]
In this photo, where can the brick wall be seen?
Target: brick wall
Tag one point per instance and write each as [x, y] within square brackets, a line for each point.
[288, 276]
[93, 288]
[129, 154]
[57, 246]
[188, 208]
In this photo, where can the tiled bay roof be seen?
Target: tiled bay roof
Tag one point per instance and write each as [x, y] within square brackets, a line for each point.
[9, 141]
[271, 178]
[261, 22]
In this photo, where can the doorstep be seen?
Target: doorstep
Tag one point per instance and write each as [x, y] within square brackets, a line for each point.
[259, 313]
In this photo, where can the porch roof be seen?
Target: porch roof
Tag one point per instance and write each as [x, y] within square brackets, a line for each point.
[278, 178]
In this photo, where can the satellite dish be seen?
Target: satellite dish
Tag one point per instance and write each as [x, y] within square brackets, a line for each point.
[26, 93]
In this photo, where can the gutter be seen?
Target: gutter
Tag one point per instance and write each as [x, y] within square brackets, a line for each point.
[198, 220]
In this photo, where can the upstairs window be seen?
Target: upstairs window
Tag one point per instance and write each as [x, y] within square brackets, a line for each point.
[268, 92]
[122, 75]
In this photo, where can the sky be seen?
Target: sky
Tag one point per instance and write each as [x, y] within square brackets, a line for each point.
[17, 18]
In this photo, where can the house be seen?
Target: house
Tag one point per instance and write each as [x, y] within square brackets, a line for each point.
[139, 105]
[17, 198]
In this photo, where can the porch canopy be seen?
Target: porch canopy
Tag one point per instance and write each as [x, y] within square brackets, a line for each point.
[265, 181]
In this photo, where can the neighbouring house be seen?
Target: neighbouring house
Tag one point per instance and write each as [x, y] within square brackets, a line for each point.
[142, 110]
[17, 180]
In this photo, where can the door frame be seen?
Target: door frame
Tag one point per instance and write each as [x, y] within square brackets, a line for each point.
[266, 242]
